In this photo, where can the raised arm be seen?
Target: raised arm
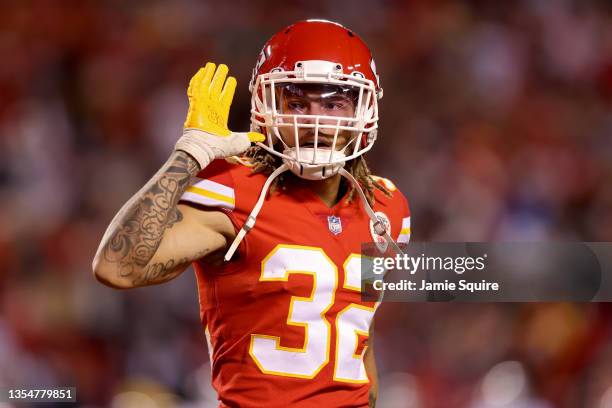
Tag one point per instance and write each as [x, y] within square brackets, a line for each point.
[152, 239]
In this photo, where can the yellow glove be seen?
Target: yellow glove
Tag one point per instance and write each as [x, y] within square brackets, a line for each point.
[205, 135]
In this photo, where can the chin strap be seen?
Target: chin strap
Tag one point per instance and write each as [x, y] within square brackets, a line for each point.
[379, 227]
[250, 222]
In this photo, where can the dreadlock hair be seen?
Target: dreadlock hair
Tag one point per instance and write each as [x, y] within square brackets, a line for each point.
[265, 162]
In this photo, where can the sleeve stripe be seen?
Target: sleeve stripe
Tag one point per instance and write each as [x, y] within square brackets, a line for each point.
[199, 199]
[214, 187]
[406, 223]
[403, 239]
[218, 193]
[404, 235]
[212, 195]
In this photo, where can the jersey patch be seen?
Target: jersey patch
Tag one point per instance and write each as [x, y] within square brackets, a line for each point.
[335, 224]
[379, 240]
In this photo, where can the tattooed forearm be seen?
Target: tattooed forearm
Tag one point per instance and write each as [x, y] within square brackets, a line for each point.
[158, 271]
[161, 271]
[137, 230]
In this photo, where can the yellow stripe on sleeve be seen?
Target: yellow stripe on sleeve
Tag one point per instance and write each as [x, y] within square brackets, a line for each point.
[212, 195]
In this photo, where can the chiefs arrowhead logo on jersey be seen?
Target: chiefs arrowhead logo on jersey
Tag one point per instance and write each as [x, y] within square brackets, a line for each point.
[379, 240]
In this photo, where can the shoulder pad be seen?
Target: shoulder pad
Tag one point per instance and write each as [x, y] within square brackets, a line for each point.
[388, 184]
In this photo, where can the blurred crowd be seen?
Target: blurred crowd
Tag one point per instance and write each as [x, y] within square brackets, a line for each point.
[496, 123]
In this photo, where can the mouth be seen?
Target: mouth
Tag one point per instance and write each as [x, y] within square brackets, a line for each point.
[322, 143]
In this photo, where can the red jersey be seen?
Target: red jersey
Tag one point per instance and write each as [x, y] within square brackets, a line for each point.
[285, 321]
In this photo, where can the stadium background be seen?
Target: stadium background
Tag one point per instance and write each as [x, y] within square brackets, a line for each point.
[496, 123]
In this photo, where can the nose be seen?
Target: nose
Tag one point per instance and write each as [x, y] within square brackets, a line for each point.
[312, 109]
[315, 108]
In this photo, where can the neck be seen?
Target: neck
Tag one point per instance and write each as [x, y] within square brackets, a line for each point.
[327, 189]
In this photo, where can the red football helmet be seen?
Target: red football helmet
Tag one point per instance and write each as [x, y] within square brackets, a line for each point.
[315, 63]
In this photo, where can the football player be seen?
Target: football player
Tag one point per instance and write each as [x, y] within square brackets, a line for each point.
[274, 235]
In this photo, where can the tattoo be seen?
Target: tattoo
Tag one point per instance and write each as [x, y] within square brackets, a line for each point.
[162, 270]
[137, 230]
[157, 271]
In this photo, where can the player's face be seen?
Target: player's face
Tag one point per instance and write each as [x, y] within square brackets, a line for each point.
[316, 100]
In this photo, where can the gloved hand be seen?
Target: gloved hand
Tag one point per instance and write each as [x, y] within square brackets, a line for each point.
[205, 134]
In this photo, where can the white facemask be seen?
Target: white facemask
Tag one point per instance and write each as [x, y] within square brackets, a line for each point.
[306, 166]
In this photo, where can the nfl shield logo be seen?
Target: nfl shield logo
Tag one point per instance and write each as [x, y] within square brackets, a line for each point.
[334, 224]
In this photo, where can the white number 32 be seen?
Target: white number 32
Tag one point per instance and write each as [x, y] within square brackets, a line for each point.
[309, 312]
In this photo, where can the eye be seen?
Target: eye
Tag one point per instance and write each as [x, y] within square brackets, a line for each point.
[334, 105]
[296, 105]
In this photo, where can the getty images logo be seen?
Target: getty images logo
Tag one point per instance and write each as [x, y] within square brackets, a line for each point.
[412, 264]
